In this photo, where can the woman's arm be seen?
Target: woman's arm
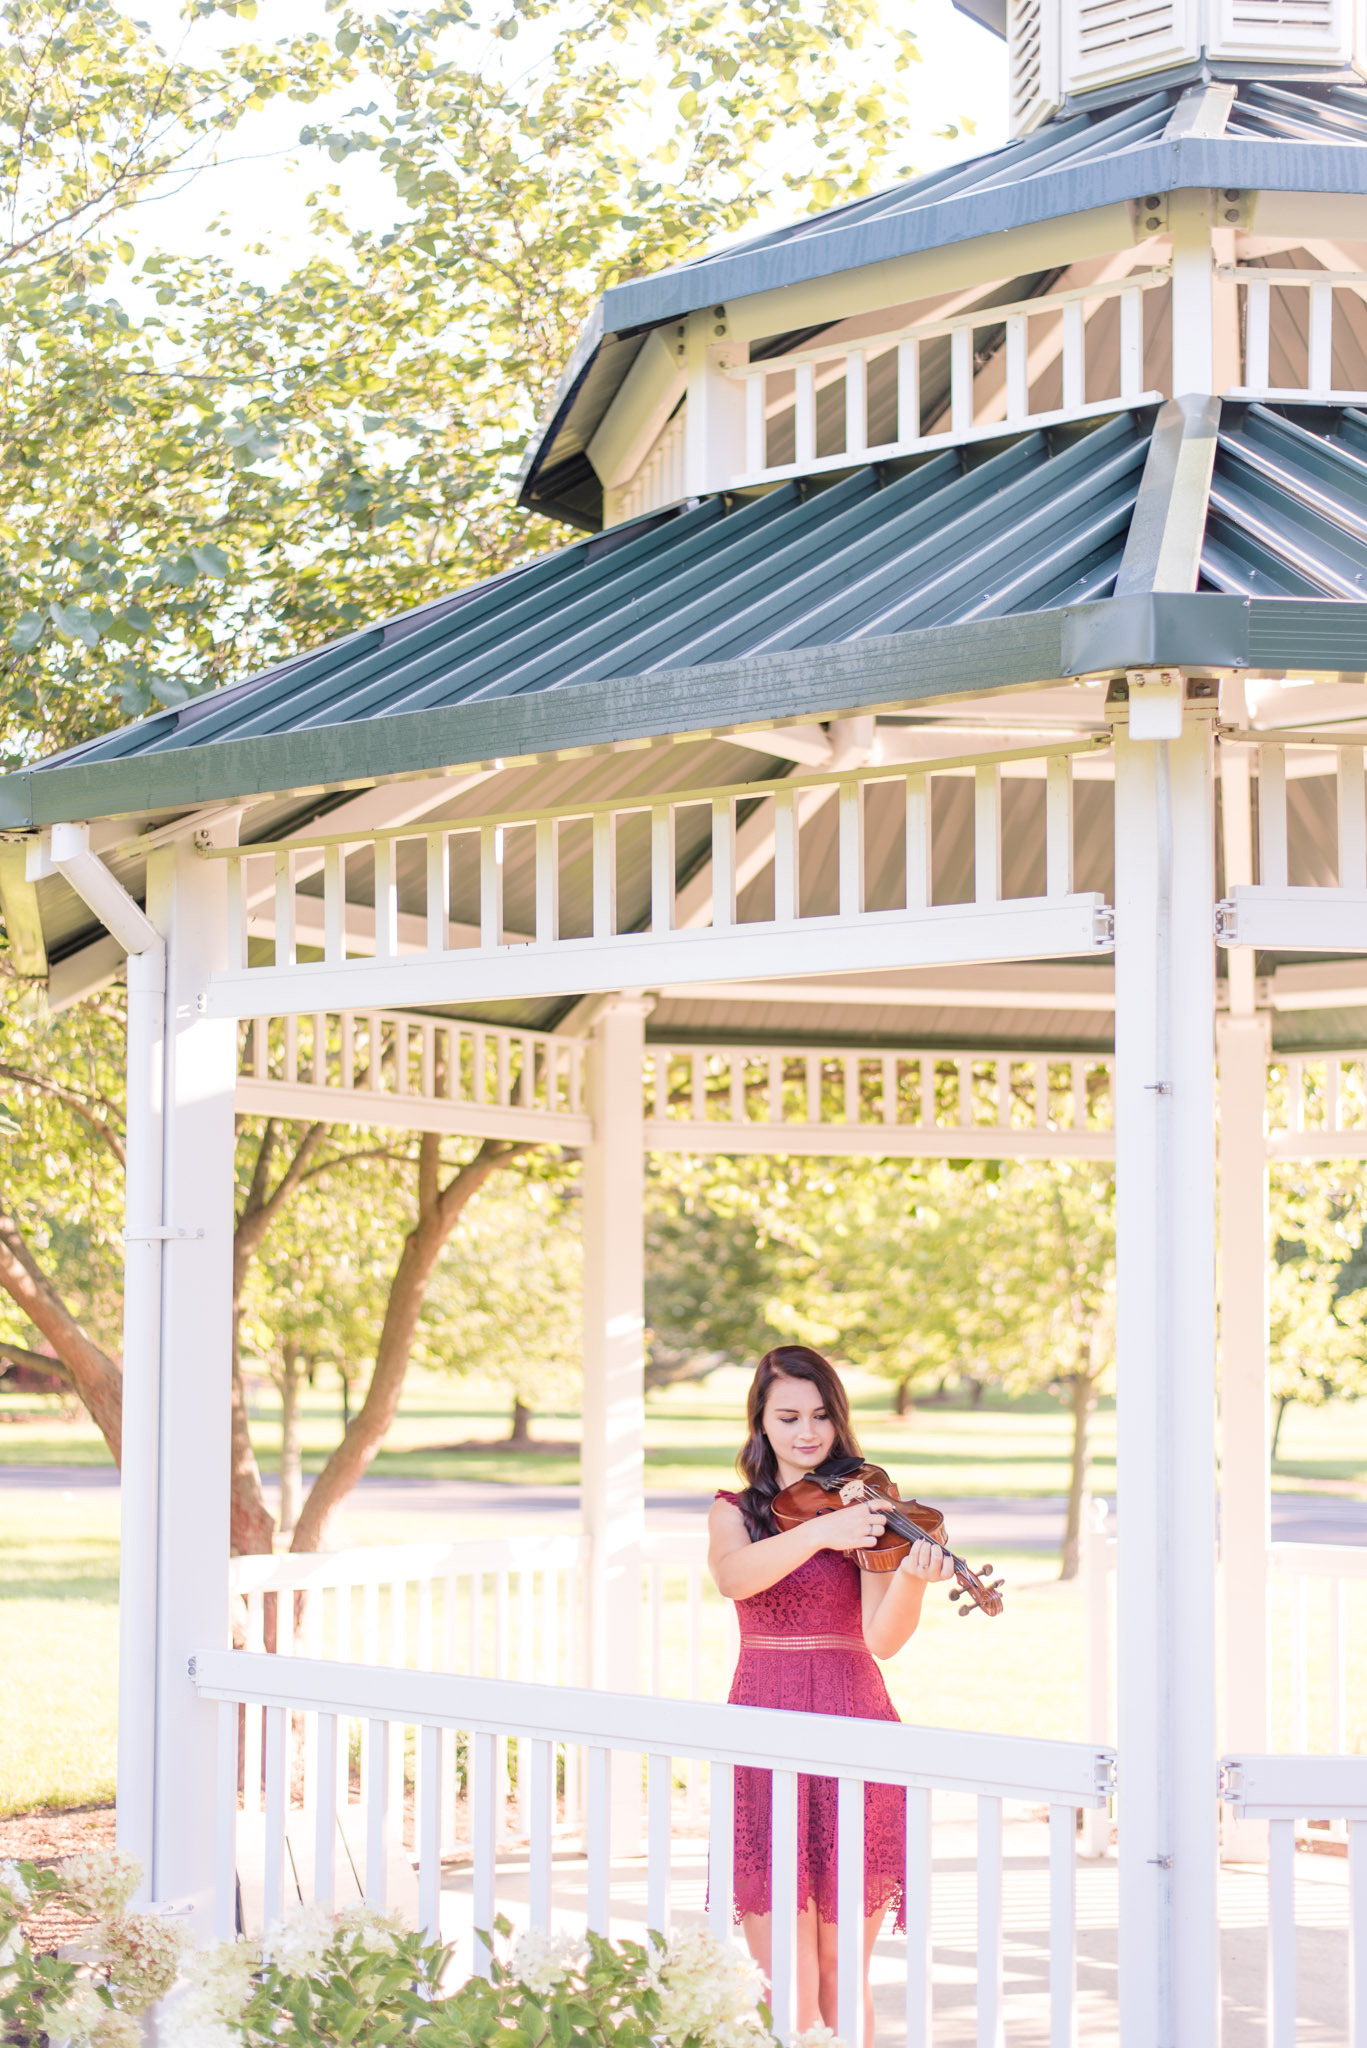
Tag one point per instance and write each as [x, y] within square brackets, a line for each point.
[892, 1600]
[741, 1568]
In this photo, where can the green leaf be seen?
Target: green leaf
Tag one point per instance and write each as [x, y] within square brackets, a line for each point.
[26, 632]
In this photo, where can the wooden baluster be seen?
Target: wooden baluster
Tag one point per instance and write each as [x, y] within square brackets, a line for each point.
[918, 1915]
[756, 453]
[1041, 1068]
[662, 866]
[1281, 1932]
[604, 874]
[849, 1892]
[490, 886]
[401, 1055]
[1003, 1092]
[483, 1756]
[237, 916]
[1131, 345]
[225, 1823]
[319, 1070]
[851, 848]
[987, 845]
[774, 1094]
[813, 1076]
[1257, 335]
[856, 402]
[804, 414]
[1079, 1075]
[928, 1117]
[783, 1901]
[697, 1070]
[429, 1062]
[541, 1807]
[386, 900]
[1074, 355]
[989, 1958]
[286, 951]
[721, 1848]
[261, 1038]
[786, 843]
[348, 1051]
[438, 893]
[918, 842]
[1058, 827]
[889, 1088]
[961, 381]
[849, 1087]
[1272, 846]
[428, 1818]
[1063, 1925]
[1352, 808]
[659, 1828]
[547, 881]
[1320, 350]
[736, 1065]
[1017, 371]
[908, 392]
[325, 1814]
[723, 862]
[292, 1049]
[334, 904]
[599, 1867]
[504, 1044]
[277, 1795]
[374, 1030]
[963, 1093]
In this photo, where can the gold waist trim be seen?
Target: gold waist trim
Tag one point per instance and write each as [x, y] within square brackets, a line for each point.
[804, 1643]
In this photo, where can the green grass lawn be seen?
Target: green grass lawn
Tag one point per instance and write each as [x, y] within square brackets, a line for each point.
[59, 1563]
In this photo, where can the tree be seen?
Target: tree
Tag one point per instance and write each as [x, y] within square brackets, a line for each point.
[1315, 1311]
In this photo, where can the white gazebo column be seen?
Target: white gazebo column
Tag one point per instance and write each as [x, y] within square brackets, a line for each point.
[1244, 1042]
[191, 1379]
[613, 1464]
[1165, 1399]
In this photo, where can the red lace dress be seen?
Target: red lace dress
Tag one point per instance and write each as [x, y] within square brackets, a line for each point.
[802, 1648]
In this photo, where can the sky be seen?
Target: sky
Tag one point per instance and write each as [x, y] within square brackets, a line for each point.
[259, 190]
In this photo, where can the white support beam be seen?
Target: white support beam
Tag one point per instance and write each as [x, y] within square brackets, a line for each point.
[1026, 928]
[1245, 1504]
[190, 1456]
[614, 1370]
[1165, 1399]
[1296, 920]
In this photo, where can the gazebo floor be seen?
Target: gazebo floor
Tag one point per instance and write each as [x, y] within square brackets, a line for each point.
[1322, 1915]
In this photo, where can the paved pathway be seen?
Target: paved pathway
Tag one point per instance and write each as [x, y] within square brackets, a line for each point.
[975, 1520]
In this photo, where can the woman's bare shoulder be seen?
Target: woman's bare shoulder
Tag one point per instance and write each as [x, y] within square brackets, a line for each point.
[725, 1518]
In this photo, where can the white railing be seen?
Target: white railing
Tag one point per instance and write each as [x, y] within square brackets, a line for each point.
[874, 920]
[504, 1607]
[1317, 1105]
[834, 1099]
[378, 1066]
[660, 480]
[1291, 907]
[1317, 290]
[1282, 1790]
[786, 422]
[633, 1738]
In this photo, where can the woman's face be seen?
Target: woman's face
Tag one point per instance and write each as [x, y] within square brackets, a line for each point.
[797, 1424]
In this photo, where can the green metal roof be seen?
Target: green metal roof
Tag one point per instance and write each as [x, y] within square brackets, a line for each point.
[1281, 136]
[976, 570]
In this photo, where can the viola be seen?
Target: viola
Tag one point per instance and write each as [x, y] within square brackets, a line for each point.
[846, 1482]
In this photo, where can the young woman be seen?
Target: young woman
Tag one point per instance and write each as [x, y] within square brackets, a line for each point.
[811, 1624]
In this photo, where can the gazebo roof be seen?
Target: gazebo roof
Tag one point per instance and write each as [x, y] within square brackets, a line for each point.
[1280, 135]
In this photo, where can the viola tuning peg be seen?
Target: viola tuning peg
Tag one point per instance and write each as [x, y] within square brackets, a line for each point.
[957, 1593]
[983, 1570]
[967, 1609]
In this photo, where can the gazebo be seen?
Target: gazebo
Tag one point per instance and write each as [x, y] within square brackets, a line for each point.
[946, 737]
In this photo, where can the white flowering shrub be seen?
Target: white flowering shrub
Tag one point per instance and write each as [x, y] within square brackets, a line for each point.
[362, 1982]
[122, 1962]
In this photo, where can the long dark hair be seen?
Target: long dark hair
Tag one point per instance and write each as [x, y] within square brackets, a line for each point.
[755, 1461]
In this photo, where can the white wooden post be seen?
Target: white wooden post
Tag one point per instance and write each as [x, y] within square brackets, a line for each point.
[142, 1264]
[187, 901]
[714, 418]
[1165, 1319]
[1245, 1506]
[1193, 277]
[613, 1465]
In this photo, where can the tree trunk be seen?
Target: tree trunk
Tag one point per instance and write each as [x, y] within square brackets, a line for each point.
[96, 1377]
[1283, 1403]
[902, 1403]
[291, 1463]
[439, 1211]
[976, 1389]
[1083, 1404]
[520, 1428]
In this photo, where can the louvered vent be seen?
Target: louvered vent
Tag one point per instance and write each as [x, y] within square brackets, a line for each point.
[1318, 31]
[1032, 43]
[1106, 39]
